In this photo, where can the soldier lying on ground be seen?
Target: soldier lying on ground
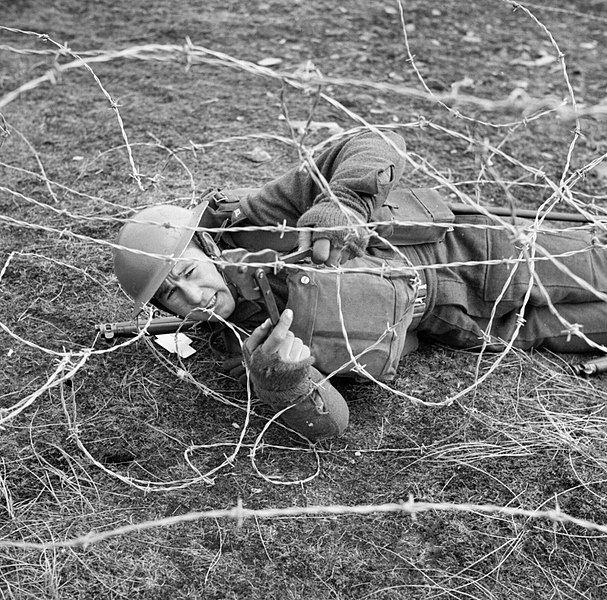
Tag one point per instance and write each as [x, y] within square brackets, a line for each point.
[452, 286]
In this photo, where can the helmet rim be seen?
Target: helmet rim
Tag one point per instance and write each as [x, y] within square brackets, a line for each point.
[130, 267]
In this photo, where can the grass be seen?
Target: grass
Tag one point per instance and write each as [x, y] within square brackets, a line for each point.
[119, 479]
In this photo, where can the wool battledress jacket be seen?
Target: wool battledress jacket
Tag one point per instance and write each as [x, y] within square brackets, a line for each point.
[463, 290]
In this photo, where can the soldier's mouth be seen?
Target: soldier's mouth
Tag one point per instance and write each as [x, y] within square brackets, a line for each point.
[211, 303]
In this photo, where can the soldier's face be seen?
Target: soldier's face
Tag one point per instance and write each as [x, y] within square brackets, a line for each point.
[195, 289]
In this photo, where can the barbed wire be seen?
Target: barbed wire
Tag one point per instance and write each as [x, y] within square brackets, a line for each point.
[239, 514]
[566, 11]
[67, 363]
[191, 54]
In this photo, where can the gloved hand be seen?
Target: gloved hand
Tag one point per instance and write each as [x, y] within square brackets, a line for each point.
[334, 246]
[275, 350]
[282, 374]
[280, 347]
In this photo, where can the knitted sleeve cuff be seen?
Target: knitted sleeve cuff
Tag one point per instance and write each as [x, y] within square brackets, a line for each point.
[347, 197]
[316, 409]
[328, 213]
[271, 374]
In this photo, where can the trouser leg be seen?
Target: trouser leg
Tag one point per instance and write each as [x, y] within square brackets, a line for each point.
[464, 318]
[579, 302]
[542, 329]
[587, 261]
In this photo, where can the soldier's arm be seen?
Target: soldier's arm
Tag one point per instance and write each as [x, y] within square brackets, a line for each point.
[283, 377]
[366, 166]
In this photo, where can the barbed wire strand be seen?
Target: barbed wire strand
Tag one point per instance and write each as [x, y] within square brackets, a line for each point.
[69, 362]
[239, 514]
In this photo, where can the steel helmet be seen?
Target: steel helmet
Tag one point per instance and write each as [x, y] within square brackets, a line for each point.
[163, 231]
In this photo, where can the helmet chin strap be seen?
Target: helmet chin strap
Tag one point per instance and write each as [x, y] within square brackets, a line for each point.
[212, 250]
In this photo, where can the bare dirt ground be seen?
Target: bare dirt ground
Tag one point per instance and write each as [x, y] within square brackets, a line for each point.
[177, 97]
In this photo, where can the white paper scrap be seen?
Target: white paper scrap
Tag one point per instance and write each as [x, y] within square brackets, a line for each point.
[176, 343]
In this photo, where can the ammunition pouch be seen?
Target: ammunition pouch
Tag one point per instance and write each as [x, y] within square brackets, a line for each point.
[362, 313]
[224, 211]
[412, 216]
[408, 217]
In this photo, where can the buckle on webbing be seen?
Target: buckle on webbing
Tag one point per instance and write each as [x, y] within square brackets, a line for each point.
[419, 305]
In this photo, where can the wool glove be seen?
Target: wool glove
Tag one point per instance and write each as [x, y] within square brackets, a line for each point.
[350, 212]
[316, 411]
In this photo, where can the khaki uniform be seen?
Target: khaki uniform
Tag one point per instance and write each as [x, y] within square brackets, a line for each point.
[475, 292]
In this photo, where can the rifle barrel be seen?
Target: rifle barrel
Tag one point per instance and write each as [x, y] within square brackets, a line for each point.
[156, 326]
[591, 367]
[465, 209]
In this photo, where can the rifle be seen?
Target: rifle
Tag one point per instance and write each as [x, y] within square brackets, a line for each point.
[503, 211]
[155, 326]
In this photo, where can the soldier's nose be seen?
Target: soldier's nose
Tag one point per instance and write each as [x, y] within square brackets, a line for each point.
[192, 294]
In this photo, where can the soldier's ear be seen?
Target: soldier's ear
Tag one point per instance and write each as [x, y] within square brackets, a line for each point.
[208, 245]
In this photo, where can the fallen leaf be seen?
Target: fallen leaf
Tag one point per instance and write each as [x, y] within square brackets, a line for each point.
[471, 38]
[307, 70]
[257, 155]
[517, 95]
[600, 171]
[544, 59]
[269, 62]
[520, 83]
[466, 82]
